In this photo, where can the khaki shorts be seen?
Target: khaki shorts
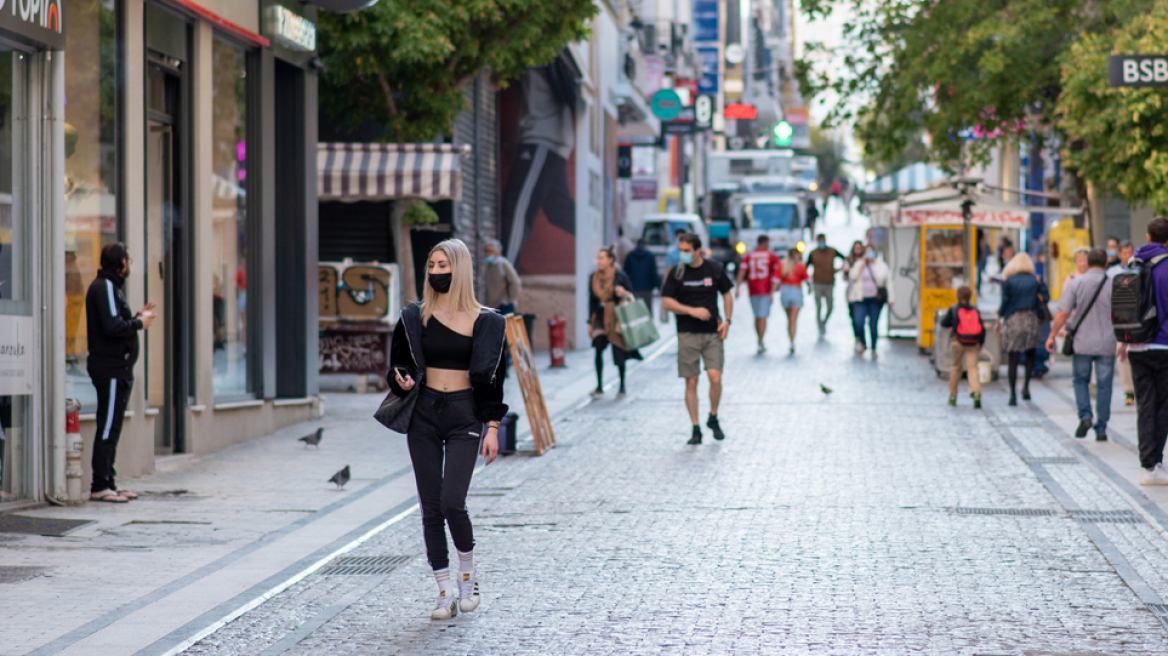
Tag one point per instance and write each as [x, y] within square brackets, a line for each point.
[693, 349]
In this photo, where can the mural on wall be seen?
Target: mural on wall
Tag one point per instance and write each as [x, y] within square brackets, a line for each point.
[357, 292]
[537, 128]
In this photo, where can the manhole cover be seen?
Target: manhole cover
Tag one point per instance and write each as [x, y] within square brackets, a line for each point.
[1027, 512]
[40, 525]
[18, 573]
[1108, 516]
[365, 565]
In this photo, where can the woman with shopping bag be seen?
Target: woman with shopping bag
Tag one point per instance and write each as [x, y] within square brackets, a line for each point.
[609, 287]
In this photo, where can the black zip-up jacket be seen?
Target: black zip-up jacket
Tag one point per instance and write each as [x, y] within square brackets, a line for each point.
[113, 330]
[486, 359]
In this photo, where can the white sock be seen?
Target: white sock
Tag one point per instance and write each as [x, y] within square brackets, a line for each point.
[442, 576]
[465, 561]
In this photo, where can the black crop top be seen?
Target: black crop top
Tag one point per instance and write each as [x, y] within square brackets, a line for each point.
[445, 349]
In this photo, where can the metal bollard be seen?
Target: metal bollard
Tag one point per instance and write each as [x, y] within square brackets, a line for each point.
[557, 341]
[73, 446]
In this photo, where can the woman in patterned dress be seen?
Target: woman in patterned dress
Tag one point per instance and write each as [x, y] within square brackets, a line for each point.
[1018, 319]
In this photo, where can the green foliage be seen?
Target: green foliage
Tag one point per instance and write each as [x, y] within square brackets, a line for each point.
[1118, 136]
[404, 63]
[420, 213]
[943, 68]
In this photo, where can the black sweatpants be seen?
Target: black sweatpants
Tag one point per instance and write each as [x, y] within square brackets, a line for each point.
[444, 442]
[1150, 379]
[112, 396]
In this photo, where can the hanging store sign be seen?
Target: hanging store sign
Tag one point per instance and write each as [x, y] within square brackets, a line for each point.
[683, 123]
[705, 20]
[289, 29]
[41, 21]
[1138, 70]
[708, 83]
[665, 104]
[17, 344]
[704, 112]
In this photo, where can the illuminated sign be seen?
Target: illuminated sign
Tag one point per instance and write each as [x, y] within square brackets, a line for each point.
[290, 29]
[740, 111]
[783, 133]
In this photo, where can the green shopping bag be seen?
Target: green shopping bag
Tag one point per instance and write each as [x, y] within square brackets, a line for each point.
[637, 327]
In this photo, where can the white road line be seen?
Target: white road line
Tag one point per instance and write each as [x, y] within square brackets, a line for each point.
[227, 619]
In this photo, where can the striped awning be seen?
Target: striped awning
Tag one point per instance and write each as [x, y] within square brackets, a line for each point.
[361, 171]
[911, 178]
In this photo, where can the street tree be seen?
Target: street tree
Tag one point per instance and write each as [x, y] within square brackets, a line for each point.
[405, 65]
[1118, 136]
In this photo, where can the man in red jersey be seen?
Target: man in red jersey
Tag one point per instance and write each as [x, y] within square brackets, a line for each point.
[760, 269]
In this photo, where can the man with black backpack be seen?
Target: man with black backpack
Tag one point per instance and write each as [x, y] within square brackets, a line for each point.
[1145, 337]
[1086, 303]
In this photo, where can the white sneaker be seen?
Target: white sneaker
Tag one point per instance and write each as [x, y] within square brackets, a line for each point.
[468, 591]
[1155, 476]
[447, 605]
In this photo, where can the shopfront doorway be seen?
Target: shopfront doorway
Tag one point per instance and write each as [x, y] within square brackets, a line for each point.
[167, 253]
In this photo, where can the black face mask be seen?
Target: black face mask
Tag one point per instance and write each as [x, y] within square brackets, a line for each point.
[440, 282]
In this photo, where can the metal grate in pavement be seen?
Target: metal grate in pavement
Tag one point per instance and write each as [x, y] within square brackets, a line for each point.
[1053, 460]
[365, 565]
[1108, 516]
[1027, 512]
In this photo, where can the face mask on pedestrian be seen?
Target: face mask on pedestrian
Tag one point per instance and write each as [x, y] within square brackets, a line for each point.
[491, 259]
[870, 254]
[1112, 252]
[686, 258]
[440, 282]
[821, 244]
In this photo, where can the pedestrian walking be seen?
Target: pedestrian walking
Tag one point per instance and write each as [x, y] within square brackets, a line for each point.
[641, 268]
[1149, 364]
[983, 254]
[870, 289]
[1080, 259]
[822, 259]
[1126, 252]
[500, 281]
[113, 350]
[1092, 337]
[453, 348]
[609, 285]
[965, 345]
[856, 255]
[760, 271]
[812, 216]
[1018, 317]
[791, 291]
[691, 292]
[1112, 251]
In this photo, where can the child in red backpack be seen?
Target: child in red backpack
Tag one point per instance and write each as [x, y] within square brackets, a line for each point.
[968, 336]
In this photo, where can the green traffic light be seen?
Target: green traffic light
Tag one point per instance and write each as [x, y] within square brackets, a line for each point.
[783, 133]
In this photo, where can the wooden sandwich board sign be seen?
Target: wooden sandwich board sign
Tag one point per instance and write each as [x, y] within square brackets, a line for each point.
[525, 372]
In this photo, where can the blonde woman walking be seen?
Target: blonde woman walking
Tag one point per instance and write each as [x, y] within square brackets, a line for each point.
[1018, 318]
[453, 347]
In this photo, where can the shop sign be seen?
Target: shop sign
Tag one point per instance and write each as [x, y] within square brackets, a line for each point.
[624, 161]
[705, 20]
[683, 123]
[704, 112]
[665, 104]
[39, 20]
[16, 360]
[708, 83]
[951, 217]
[1138, 70]
[643, 189]
[289, 29]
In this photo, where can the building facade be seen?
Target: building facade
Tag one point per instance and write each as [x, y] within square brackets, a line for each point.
[187, 131]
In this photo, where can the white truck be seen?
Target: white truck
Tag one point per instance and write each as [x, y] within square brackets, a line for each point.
[780, 217]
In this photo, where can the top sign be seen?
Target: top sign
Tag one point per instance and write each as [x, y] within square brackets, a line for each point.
[41, 21]
[1138, 70]
[289, 29]
[666, 104]
[735, 53]
[740, 111]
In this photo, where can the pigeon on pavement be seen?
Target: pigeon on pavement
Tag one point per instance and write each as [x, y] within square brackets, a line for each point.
[341, 477]
[825, 389]
[313, 438]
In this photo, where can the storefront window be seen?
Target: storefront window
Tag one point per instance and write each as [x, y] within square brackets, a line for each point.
[229, 271]
[91, 219]
[17, 323]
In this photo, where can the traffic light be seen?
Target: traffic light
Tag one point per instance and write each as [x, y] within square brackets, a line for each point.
[783, 132]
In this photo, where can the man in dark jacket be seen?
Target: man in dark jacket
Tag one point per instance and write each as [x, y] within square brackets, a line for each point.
[113, 350]
[641, 268]
[1149, 363]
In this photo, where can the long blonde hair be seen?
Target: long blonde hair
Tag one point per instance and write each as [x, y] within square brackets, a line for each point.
[1020, 263]
[461, 294]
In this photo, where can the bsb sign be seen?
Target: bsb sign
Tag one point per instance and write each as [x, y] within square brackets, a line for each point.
[39, 21]
[1138, 70]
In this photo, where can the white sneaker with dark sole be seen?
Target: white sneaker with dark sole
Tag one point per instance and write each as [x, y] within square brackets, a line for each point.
[447, 605]
[468, 591]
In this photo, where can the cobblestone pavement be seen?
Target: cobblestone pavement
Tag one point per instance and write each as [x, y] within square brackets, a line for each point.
[874, 520]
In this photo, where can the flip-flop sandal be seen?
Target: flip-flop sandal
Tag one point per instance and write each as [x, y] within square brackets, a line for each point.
[128, 494]
[108, 496]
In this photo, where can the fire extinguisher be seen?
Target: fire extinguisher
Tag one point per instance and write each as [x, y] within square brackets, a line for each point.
[556, 328]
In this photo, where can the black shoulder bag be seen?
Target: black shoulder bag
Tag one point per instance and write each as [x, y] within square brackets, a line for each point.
[1069, 342]
[881, 290]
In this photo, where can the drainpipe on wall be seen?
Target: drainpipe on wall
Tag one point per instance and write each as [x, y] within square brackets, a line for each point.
[53, 295]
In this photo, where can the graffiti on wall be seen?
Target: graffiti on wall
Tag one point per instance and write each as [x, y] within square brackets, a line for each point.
[353, 352]
[358, 292]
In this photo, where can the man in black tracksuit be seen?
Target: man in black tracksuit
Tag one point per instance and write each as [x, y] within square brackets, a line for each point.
[113, 350]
